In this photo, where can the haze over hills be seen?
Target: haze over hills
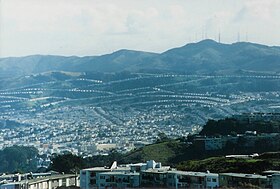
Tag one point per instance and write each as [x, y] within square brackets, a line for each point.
[131, 95]
[203, 57]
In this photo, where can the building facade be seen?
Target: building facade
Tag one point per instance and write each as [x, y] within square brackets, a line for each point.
[48, 182]
[115, 176]
[118, 180]
[276, 181]
[243, 180]
[184, 179]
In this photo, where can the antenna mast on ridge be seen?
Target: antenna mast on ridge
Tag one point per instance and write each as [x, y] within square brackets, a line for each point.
[238, 37]
[219, 37]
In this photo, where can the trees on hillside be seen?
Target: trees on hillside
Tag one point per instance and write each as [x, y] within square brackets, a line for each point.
[229, 126]
[18, 158]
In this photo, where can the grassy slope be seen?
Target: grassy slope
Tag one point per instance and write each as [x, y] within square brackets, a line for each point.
[162, 152]
[221, 164]
[175, 153]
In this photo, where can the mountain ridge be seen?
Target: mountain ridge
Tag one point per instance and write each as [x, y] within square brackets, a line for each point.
[204, 57]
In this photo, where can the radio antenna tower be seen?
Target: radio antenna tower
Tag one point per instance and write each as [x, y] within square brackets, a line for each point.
[219, 37]
[238, 37]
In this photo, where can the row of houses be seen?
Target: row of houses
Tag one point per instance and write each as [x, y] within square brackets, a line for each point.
[154, 175]
[257, 116]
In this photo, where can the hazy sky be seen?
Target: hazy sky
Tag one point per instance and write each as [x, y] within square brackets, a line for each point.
[94, 27]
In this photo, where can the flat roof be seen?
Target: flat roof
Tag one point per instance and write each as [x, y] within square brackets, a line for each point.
[157, 170]
[121, 169]
[41, 179]
[106, 169]
[118, 173]
[97, 169]
[242, 175]
[9, 175]
[190, 173]
[54, 177]
[11, 184]
[271, 172]
[138, 164]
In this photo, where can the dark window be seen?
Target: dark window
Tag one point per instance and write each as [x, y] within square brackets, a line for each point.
[92, 181]
[64, 182]
[92, 174]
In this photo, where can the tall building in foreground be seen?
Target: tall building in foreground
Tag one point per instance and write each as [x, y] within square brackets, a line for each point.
[148, 175]
[153, 175]
[122, 176]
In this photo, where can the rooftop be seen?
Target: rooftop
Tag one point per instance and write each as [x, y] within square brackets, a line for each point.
[270, 172]
[241, 175]
[36, 180]
[118, 173]
[97, 169]
[31, 181]
[163, 169]
[106, 169]
[200, 174]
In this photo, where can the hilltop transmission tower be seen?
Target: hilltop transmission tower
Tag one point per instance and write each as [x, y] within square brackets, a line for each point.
[202, 34]
[219, 37]
[238, 37]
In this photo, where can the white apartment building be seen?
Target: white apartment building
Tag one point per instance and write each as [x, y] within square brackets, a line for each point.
[186, 179]
[93, 178]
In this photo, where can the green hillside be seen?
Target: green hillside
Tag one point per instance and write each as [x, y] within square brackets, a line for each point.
[163, 152]
[266, 161]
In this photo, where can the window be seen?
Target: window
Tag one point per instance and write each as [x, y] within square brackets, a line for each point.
[64, 182]
[92, 181]
[92, 174]
[214, 180]
[102, 177]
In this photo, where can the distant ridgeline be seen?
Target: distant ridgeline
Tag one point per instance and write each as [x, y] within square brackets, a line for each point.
[206, 56]
[239, 124]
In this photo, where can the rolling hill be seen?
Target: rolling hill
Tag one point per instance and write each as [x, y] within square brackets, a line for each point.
[204, 57]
